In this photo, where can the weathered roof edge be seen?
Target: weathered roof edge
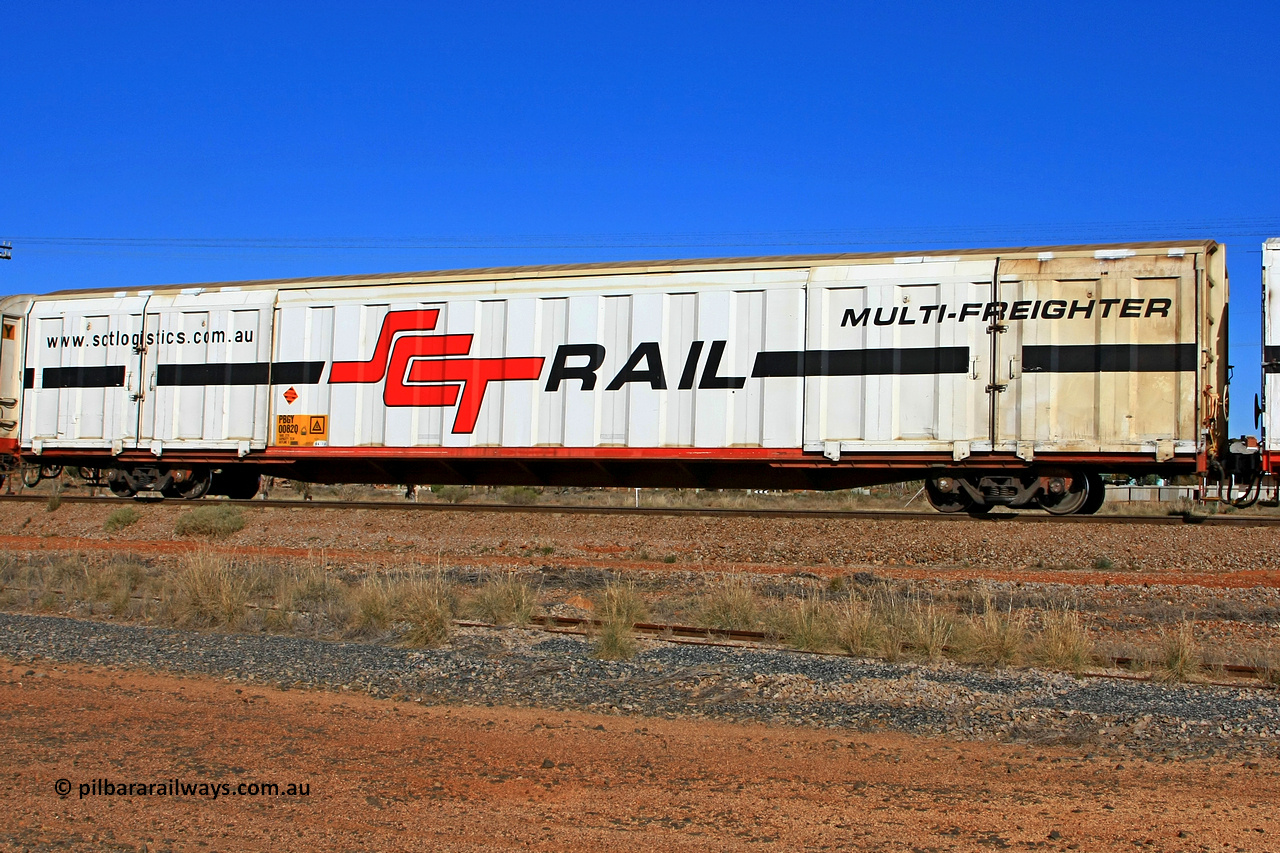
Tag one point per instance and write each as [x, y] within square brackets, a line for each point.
[674, 265]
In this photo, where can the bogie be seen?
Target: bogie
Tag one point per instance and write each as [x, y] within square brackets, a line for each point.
[1057, 492]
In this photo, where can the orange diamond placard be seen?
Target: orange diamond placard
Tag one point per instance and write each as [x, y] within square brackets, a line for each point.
[290, 395]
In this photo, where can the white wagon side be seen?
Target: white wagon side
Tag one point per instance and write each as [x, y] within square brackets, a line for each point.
[1000, 376]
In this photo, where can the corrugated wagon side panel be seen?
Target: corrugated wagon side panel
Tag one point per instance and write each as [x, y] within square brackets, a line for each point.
[648, 361]
[581, 418]
[551, 330]
[746, 321]
[680, 410]
[357, 408]
[619, 317]
[519, 409]
[893, 359]
[207, 367]
[305, 334]
[782, 397]
[718, 320]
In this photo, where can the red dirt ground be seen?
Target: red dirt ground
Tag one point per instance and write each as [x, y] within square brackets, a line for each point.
[388, 775]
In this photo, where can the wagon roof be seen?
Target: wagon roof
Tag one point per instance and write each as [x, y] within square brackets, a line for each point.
[688, 265]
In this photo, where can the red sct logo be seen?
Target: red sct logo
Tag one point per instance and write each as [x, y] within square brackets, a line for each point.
[419, 371]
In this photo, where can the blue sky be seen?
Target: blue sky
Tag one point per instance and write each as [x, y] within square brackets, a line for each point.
[151, 143]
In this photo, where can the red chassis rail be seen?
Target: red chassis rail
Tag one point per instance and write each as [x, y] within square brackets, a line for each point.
[676, 467]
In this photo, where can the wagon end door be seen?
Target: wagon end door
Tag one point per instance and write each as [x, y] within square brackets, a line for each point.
[1097, 355]
[10, 380]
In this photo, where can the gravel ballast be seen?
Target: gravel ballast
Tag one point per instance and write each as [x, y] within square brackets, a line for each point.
[532, 668]
[374, 539]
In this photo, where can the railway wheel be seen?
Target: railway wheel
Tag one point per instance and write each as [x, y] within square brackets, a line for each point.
[246, 489]
[238, 484]
[945, 494]
[1097, 494]
[1067, 496]
[197, 487]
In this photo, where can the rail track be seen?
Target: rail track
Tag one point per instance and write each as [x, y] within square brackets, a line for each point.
[729, 637]
[738, 637]
[1180, 519]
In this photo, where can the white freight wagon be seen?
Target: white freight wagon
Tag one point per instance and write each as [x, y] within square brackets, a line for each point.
[1007, 376]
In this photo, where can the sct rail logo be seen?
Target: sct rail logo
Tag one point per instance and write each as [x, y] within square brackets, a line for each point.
[420, 370]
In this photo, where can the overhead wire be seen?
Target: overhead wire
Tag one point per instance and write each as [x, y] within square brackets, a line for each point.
[1221, 229]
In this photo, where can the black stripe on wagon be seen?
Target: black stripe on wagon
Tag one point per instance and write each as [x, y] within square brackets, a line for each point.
[1271, 359]
[296, 372]
[1110, 358]
[862, 362]
[29, 377]
[241, 373]
[110, 376]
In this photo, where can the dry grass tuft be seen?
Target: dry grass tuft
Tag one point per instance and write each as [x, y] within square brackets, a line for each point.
[858, 629]
[1062, 642]
[309, 599]
[887, 624]
[519, 495]
[120, 518]
[69, 574]
[10, 569]
[373, 606]
[929, 631]
[1180, 658]
[619, 608]
[622, 601]
[1267, 663]
[616, 640]
[730, 606]
[894, 622]
[809, 625]
[209, 591]
[508, 600]
[113, 584]
[309, 588]
[994, 637]
[452, 494]
[428, 605]
[212, 520]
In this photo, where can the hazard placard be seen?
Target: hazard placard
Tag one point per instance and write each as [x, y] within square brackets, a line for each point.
[302, 430]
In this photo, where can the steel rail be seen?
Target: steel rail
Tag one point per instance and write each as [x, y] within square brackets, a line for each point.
[726, 637]
[700, 512]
